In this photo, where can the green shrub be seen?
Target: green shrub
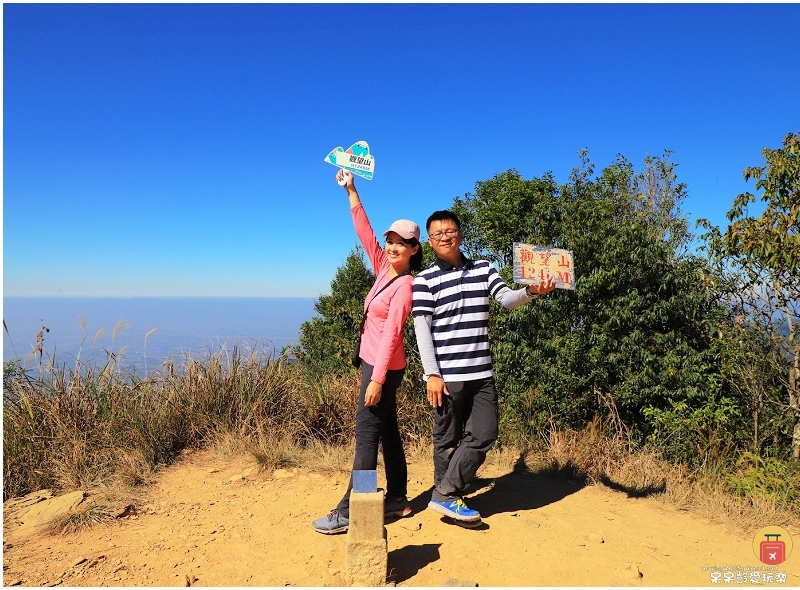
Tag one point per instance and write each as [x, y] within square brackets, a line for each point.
[766, 476]
[692, 435]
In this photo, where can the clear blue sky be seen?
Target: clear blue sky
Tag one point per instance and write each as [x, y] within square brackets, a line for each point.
[178, 149]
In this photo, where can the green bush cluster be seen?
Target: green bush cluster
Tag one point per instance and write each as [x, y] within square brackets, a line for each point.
[770, 477]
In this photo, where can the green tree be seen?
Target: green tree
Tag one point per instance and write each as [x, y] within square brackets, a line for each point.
[751, 377]
[635, 333]
[759, 258]
[326, 341]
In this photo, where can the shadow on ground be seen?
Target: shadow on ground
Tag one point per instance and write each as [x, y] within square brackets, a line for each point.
[405, 562]
[632, 491]
[521, 489]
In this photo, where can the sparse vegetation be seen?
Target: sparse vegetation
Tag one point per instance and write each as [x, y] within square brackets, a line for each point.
[94, 429]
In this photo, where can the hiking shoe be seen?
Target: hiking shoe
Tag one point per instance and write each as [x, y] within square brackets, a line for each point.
[331, 524]
[455, 509]
[397, 507]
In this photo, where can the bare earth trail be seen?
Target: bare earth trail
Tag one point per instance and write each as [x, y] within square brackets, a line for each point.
[219, 521]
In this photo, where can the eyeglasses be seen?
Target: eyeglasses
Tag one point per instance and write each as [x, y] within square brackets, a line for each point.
[441, 234]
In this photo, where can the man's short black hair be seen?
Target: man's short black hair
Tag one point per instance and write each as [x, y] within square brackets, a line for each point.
[442, 216]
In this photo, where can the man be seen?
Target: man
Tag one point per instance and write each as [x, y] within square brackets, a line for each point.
[451, 321]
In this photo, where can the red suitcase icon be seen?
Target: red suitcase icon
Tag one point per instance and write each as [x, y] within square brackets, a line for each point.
[773, 552]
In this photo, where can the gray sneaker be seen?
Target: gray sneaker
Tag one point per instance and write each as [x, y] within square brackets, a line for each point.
[331, 524]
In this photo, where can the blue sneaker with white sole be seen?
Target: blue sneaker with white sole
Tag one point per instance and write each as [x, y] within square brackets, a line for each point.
[455, 509]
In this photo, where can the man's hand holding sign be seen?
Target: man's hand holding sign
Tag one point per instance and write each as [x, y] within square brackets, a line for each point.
[534, 265]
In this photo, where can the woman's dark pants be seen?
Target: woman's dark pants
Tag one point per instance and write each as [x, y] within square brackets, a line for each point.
[375, 424]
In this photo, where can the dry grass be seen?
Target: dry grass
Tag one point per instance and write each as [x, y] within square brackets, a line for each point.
[75, 428]
[133, 469]
[90, 427]
[103, 506]
[612, 461]
[325, 458]
[419, 450]
[81, 519]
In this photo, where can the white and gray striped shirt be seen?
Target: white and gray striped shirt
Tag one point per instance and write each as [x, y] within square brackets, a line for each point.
[453, 303]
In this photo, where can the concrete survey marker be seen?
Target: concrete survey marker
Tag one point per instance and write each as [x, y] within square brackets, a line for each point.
[367, 555]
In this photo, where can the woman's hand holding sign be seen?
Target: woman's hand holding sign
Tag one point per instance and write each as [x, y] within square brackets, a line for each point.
[344, 178]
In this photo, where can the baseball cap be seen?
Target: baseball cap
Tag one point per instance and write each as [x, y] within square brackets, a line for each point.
[405, 229]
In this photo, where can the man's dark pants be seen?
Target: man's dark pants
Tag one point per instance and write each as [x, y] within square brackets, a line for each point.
[375, 424]
[471, 409]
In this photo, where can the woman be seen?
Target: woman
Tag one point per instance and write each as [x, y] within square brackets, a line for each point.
[383, 358]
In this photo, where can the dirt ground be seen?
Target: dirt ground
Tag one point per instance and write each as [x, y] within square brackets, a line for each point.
[212, 520]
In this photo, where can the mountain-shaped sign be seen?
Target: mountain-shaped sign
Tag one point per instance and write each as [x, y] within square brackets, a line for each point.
[355, 159]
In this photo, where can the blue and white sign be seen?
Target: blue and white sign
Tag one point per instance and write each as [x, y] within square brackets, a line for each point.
[355, 159]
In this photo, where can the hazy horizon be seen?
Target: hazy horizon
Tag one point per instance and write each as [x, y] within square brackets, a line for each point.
[183, 325]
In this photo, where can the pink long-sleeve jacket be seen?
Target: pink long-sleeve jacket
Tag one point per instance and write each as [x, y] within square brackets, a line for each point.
[382, 341]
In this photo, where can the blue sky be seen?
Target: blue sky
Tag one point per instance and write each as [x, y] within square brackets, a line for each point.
[155, 149]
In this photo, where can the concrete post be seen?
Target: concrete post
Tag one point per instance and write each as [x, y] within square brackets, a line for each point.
[366, 536]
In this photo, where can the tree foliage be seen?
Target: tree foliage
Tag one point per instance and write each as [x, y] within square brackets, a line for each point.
[326, 341]
[759, 259]
[635, 333]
